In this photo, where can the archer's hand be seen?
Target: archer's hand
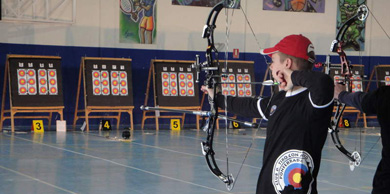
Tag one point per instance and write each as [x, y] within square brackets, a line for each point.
[208, 91]
[338, 88]
[284, 78]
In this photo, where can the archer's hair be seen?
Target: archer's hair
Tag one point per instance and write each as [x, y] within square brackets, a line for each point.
[302, 64]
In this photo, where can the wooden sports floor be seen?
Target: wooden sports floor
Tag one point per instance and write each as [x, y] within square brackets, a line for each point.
[162, 162]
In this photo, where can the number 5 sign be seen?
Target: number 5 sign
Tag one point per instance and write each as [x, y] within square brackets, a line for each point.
[175, 124]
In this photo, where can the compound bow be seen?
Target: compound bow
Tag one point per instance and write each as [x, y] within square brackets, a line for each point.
[212, 77]
[346, 67]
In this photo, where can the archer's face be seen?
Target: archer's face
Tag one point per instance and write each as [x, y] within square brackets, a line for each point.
[277, 66]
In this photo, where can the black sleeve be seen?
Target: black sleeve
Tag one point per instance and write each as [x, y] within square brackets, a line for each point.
[242, 106]
[352, 99]
[377, 101]
[320, 85]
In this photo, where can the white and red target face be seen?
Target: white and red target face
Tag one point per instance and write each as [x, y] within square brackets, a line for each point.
[124, 91]
[42, 81]
[96, 82]
[53, 90]
[165, 76]
[31, 81]
[190, 84]
[22, 81]
[22, 72]
[96, 91]
[191, 92]
[96, 74]
[247, 78]
[52, 73]
[53, 82]
[104, 75]
[241, 93]
[123, 75]
[23, 90]
[115, 91]
[123, 83]
[42, 73]
[249, 93]
[182, 76]
[43, 90]
[239, 78]
[114, 83]
[31, 72]
[106, 91]
[387, 80]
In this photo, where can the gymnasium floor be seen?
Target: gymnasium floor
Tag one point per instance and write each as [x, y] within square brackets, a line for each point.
[162, 162]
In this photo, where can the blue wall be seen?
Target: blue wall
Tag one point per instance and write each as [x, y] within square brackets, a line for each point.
[71, 57]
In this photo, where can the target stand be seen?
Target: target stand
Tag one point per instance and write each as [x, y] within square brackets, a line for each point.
[35, 86]
[174, 87]
[107, 88]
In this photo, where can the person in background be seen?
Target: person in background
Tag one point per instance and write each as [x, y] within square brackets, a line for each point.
[376, 102]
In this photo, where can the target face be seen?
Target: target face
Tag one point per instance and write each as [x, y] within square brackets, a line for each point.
[108, 81]
[31, 80]
[357, 84]
[174, 83]
[387, 80]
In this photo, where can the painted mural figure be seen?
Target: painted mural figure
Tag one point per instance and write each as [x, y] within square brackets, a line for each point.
[353, 35]
[146, 25]
[295, 5]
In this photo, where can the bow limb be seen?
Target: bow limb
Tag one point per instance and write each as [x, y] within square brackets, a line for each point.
[346, 67]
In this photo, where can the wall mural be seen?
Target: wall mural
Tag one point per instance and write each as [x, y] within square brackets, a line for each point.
[203, 3]
[315, 6]
[137, 21]
[355, 35]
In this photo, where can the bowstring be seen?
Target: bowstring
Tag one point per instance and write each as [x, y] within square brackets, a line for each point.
[227, 34]
[254, 135]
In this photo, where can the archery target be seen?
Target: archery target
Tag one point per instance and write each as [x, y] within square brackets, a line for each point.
[105, 86]
[115, 83]
[186, 84]
[31, 82]
[123, 83]
[96, 84]
[22, 82]
[42, 82]
[35, 81]
[229, 87]
[357, 84]
[170, 84]
[387, 80]
[53, 83]
[244, 90]
[108, 81]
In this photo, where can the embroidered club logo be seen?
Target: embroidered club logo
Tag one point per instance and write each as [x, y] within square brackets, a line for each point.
[289, 168]
[272, 111]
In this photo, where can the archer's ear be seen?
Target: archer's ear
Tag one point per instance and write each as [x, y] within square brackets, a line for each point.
[288, 63]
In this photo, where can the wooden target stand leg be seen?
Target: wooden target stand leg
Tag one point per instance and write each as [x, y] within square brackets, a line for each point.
[14, 110]
[85, 113]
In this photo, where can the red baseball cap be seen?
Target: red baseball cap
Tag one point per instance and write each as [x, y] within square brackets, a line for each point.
[294, 45]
